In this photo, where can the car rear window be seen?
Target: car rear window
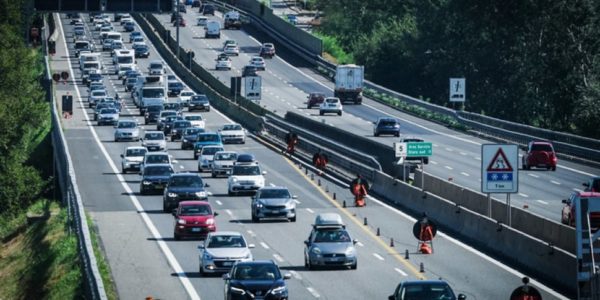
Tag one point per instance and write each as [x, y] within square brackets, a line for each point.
[387, 123]
[541, 147]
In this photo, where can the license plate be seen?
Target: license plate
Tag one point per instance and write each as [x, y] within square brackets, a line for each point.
[228, 264]
[275, 211]
[158, 186]
[196, 229]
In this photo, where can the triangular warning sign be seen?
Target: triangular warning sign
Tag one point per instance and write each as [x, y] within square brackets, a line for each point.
[499, 163]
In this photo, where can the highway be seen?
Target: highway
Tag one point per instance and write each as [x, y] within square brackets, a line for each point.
[456, 156]
[145, 260]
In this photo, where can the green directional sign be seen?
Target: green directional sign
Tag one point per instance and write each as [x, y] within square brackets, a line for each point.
[419, 149]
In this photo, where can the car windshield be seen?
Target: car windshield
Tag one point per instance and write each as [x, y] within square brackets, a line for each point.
[108, 111]
[274, 193]
[175, 84]
[187, 181]
[127, 125]
[182, 124]
[136, 152]
[226, 241]
[155, 66]
[155, 136]
[186, 94]
[196, 210]
[165, 114]
[426, 291]
[91, 65]
[172, 106]
[387, 123]
[157, 159]
[155, 108]
[332, 236]
[541, 147]
[153, 93]
[246, 170]
[193, 118]
[157, 171]
[211, 150]
[208, 138]
[232, 127]
[332, 100]
[256, 272]
[225, 156]
[192, 131]
[199, 98]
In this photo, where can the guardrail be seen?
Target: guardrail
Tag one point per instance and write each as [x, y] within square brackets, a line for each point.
[94, 287]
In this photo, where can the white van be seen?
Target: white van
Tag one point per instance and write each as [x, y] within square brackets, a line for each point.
[114, 36]
[212, 29]
[88, 57]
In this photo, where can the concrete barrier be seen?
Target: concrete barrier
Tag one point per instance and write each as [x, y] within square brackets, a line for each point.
[552, 265]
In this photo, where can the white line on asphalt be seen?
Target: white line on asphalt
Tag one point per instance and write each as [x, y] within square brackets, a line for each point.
[533, 175]
[477, 158]
[175, 161]
[463, 153]
[448, 167]
[435, 145]
[264, 245]
[229, 212]
[272, 184]
[251, 233]
[310, 210]
[313, 292]
[555, 182]
[181, 166]
[209, 193]
[542, 202]
[297, 202]
[360, 244]
[449, 149]
[185, 281]
[277, 257]
[433, 162]
[219, 202]
[378, 256]
[523, 195]
[465, 174]
[578, 190]
[401, 272]
[296, 275]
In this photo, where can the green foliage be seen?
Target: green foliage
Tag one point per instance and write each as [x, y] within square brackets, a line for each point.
[332, 47]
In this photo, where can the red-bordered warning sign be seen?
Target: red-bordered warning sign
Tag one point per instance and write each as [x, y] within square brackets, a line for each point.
[499, 163]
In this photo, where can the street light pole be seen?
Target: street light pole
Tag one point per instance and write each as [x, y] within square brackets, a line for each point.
[177, 21]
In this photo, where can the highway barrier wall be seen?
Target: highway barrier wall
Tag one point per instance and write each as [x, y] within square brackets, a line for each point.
[552, 232]
[550, 264]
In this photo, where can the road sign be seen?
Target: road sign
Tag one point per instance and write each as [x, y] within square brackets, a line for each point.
[252, 87]
[419, 149]
[457, 90]
[499, 168]
[400, 149]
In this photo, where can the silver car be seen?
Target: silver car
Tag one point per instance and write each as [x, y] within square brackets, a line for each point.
[223, 163]
[273, 203]
[223, 249]
[127, 130]
[108, 116]
[154, 141]
[329, 244]
[206, 157]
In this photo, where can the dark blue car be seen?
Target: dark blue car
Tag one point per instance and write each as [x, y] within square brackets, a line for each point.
[182, 187]
[142, 51]
[129, 26]
[174, 87]
[155, 178]
[260, 277]
[206, 139]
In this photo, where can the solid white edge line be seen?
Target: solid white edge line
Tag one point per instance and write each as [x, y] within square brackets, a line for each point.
[185, 281]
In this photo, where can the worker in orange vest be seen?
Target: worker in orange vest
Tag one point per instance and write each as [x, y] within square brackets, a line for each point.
[359, 188]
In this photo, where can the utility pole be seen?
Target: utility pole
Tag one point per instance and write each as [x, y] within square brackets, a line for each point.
[177, 21]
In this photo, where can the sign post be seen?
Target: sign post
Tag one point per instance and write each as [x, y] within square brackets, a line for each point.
[252, 87]
[499, 173]
[457, 90]
[414, 149]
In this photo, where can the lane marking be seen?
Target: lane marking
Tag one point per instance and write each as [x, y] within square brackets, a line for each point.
[297, 202]
[219, 202]
[533, 175]
[296, 275]
[555, 182]
[310, 210]
[229, 212]
[449, 167]
[542, 202]
[251, 233]
[277, 257]
[378, 256]
[465, 174]
[360, 244]
[433, 162]
[264, 245]
[313, 292]
[523, 195]
[449, 149]
[401, 272]
[578, 190]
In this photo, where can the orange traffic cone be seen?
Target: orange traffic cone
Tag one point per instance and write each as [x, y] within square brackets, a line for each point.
[424, 248]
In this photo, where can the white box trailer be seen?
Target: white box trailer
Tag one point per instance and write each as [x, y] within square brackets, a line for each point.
[349, 82]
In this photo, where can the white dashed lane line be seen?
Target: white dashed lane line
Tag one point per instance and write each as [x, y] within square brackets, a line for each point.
[465, 174]
[533, 175]
[401, 272]
[296, 275]
[542, 202]
[523, 195]
[378, 256]
[578, 190]
[449, 149]
[278, 257]
[251, 233]
[449, 167]
[555, 182]
[433, 162]
[264, 245]
[310, 210]
[313, 292]
[219, 202]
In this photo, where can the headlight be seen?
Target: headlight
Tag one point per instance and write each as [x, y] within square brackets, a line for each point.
[279, 290]
[259, 204]
[171, 195]
[238, 291]
[290, 204]
[248, 256]
[146, 182]
[201, 194]
[185, 140]
[180, 221]
[350, 251]
[234, 179]
[316, 250]
[210, 221]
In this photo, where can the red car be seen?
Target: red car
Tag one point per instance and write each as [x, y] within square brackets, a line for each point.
[540, 155]
[267, 50]
[568, 212]
[315, 99]
[181, 22]
[194, 219]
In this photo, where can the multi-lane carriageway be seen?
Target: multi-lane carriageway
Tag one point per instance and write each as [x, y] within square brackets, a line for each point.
[145, 260]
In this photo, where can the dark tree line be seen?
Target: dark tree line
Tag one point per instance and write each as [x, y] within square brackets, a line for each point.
[531, 61]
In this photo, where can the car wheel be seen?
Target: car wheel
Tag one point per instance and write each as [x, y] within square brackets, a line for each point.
[199, 170]
[165, 208]
[255, 219]
[229, 193]
[142, 191]
[309, 265]
[213, 175]
[293, 219]
[172, 138]
[195, 157]
[321, 113]
[376, 134]
[201, 271]
[354, 266]
[123, 170]
[397, 134]
[176, 236]
[553, 168]
[339, 113]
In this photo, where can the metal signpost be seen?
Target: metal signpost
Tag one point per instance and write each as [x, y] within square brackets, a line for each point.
[457, 90]
[413, 149]
[252, 87]
[500, 173]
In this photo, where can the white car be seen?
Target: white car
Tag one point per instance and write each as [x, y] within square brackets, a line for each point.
[132, 158]
[98, 23]
[233, 133]
[196, 120]
[156, 158]
[223, 161]
[154, 141]
[138, 39]
[156, 68]
[127, 130]
[331, 105]
[184, 97]
[96, 96]
[221, 250]
[116, 45]
[201, 21]
[120, 70]
[108, 116]
[223, 64]
[258, 62]
[245, 178]
[206, 157]
[107, 44]
[232, 50]
[126, 19]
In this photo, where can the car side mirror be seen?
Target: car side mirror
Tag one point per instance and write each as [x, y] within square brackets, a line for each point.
[462, 297]
[355, 241]
[391, 297]
[122, 156]
[294, 197]
[226, 276]
[307, 243]
[287, 276]
[215, 213]
[206, 185]
[251, 246]
[140, 173]
[174, 212]
[264, 172]
[201, 246]
[565, 201]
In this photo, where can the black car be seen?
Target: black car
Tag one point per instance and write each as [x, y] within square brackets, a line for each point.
[155, 178]
[425, 159]
[130, 83]
[425, 290]
[182, 187]
[168, 123]
[178, 127]
[142, 51]
[152, 113]
[199, 102]
[249, 71]
[174, 87]
[259, 278]
[175, 16]
[196, 3]
[386, 126]
[208, 9]
[190, 135]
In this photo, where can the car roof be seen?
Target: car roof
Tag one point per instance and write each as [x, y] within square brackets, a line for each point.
[256, 262]
[386, 119]
[157, 153]
[157, 165]
[218, 233]
[184, 203]
[424, 282]
[186, 174]
[135, 148]
[154, 131]
[325, 220]
[273, 188]
[541, 143]
[588, 194]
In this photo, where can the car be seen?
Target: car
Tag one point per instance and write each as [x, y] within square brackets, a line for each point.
[190, 135]
[107, 44]
[108, 116]
[539, 154]
[119, 16]
[249, 70]
[181, 187]
[137, 40]
[152, 114]
[385, 125]
[174, 88]
[130, 83]
[127, 130]
[223, 163]
[126, 19]
[424, 159]
[231, 19]
[131, 74]
[568, 212]
[292, 19]
[163, 117]
[329, 244]
[245, 159]
[132, 158]
[232, 50]
[142, 51]
[206, 139]
[201, 21]
[196, 3]
[79, 31]
[199, 102]
[185, 96]
[260, 277]
[223, 63]
[94, 86]
[233, 133]
[273, 203]
[258, 62]
[178, 127]
[155, 178]
[206, 157]
[196, 120]
[425, 290]
[174, 106]
[245, 178]
[168, 123]
[120, 70]
[82, 46]
[331, 105]
[221, 250]
[157, 157]
[133, 35]
[154, 141]
[208, 9]
[267, 50]
[182, 22]
[75, 20]
[194, 219]
[182, 8]
[129, 26]
[592, 185]
[156, 67]
[315, 99]
[94, 78]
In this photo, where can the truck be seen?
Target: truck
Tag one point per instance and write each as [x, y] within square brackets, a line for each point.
[89, 63]
[150, 90]
[124, 57]
[349, 80]
[232, 20]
